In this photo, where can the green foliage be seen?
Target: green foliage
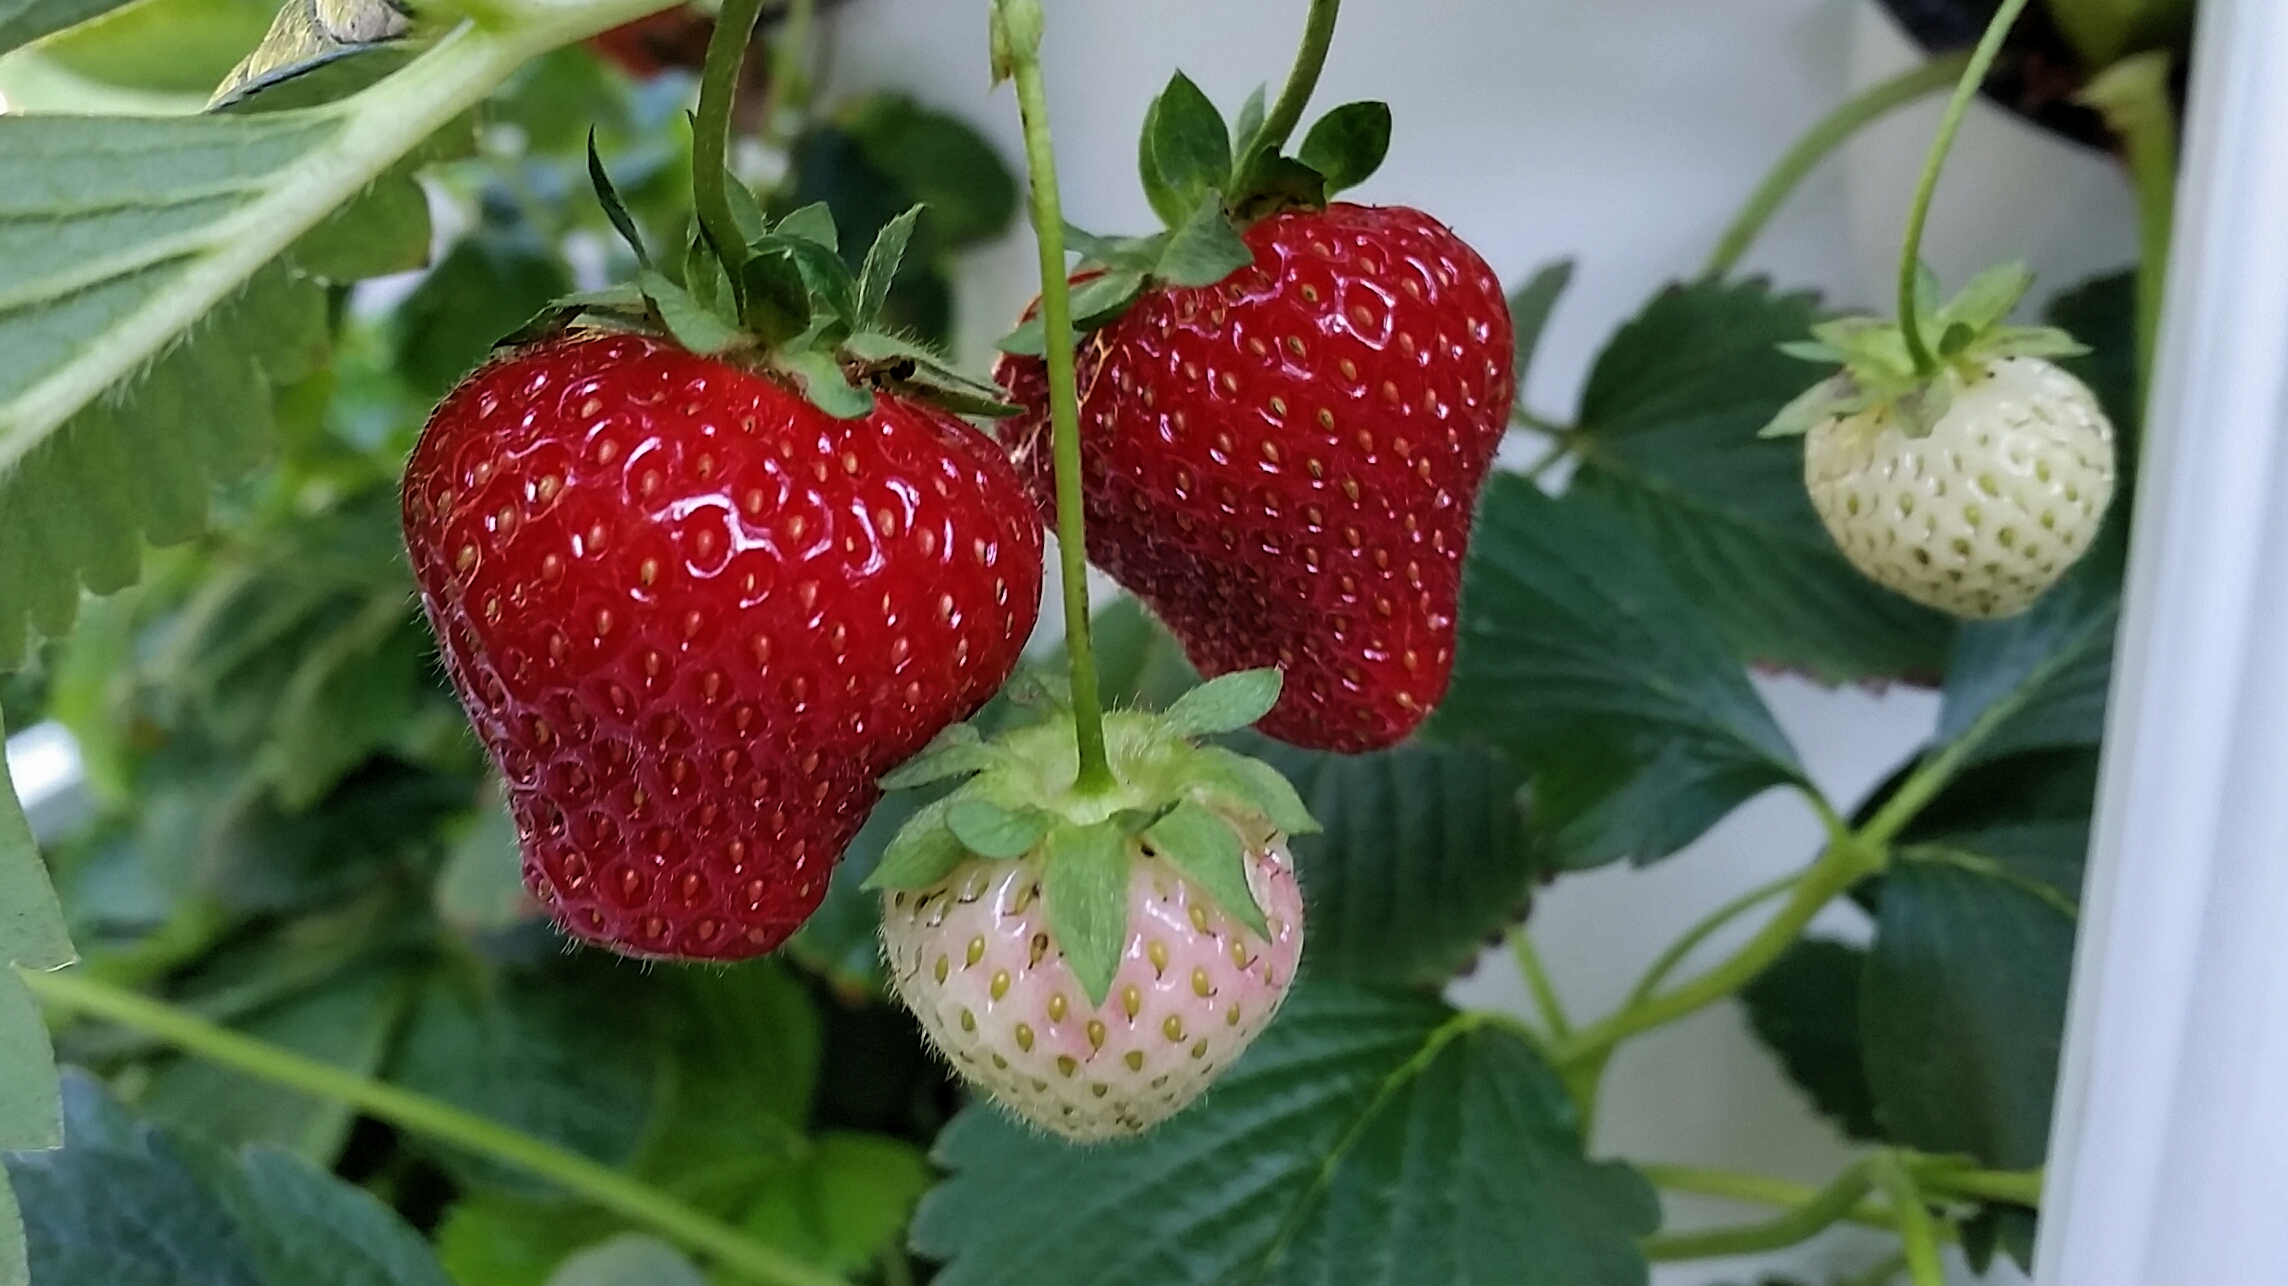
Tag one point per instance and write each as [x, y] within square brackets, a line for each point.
[1585, 665]
[171, 1205]
[1963, 1007]
[1806, 1009]
[172, 46]
[1668, 426]
[24, 21]
[1405, 1135]
[1425, 855]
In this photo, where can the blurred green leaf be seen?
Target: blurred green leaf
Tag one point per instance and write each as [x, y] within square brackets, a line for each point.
[528, 1049]
[630, 1259]
[1805, 1008]
[843, 1202]
[1963, 1007]
[2038, 680]
[166, 46]
[1581, 662]
[481, 889]
[1669, 422]
[486, 286]
[941, 161]
[1425, 855]
[24, 21]
[1364, 1129]
[1530, 307]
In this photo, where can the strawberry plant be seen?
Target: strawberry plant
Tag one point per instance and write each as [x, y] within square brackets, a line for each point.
[570, 798]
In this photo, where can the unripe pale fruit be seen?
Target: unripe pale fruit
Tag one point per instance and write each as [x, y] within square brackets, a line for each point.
[1982, 514]
[975, 960]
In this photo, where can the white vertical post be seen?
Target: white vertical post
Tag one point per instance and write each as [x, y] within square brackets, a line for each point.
[2170, 1153]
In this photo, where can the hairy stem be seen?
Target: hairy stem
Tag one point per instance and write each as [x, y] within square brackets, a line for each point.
[2134, 96]
[1302, 80]
[1799, 1224]
[1911, 250]
[1018, 28]
[1837, 869]
[711, 131]
[1917, 1232]
[598, 1184]
[1856, 113]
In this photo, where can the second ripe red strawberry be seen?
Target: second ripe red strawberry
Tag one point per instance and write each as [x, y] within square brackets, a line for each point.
[1284, 464]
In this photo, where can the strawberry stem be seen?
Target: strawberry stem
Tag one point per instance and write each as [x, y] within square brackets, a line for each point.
[1854, 114]
[2133, 94]
[1017, 54]
[76, 991]
[1302, 81]
[711, 130]
[1911, 253]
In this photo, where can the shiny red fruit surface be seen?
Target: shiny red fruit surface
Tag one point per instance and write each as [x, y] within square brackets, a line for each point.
[1284, 466]
[694, 618]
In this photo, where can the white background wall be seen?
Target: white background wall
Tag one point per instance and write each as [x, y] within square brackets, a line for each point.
[1622, 133]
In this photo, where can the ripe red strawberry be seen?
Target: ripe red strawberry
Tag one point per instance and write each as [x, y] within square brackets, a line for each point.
[1284, 465]
[693, 617]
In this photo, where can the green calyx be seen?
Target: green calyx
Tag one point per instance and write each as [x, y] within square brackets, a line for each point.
[1879, 372]
[782, 300]
[1200, 808]
[1208, 180]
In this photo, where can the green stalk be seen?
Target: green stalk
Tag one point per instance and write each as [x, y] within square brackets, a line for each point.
[1537, 981]
[2134, 96]
[711, 131]
[1701, 932]
[1302, 79]
[1837, 869]
[2017, 1187]
[1017, 51]
[1855, 114]
[1804, 1221]
[1916, 1230]
[600, 1185]
[1911, 252]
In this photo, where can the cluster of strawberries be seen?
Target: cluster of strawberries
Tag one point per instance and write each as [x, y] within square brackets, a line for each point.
[697, 618]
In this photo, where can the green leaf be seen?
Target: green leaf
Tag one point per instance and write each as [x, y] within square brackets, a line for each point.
[775, 290]
[349, 1022]
[2007, 1229]
[1226, 703]
[125, 1203]
[1097, 302]
[1249, 122]
[1963, 1007]
[30, 1118]
[1206, 248]
[813, 223]
[24, 21]
[486, 286]
[2102, 313]
[1805, 1008]
[1363, 1130]
[162, 46]
[2028, 812]
[882, 260]
[1670, 418]
[1210, 853]
[2039, 679]
[745, 1046]
[630, 1259]
[385, 231]
[1084, 885]
[1988, 298]
[1530, 306]
[1348, 144]
[828, 386]
[318, 52]
[1256, 785]
[955, 752]
[941, 162]
[924, 852]
[1425, 855]
[693, 326]
[526, 1050]
[615, 209]
[991, 830]
[844, 1203]
[31, 920]
[1582, 662]
[1187, 149]
[481, 890]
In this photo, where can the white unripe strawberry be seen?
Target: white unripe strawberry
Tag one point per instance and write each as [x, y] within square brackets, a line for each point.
[1984, 512]
[1093, 954]
[1951, 461]
[976, 961]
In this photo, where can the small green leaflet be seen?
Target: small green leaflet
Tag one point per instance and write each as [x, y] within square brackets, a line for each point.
[1186, 149]
[1209, 852]
[1205, 249]
[1225, 704]
[882, 260]
[954, 752]
[1348, 144]
[24, 21]
[827, 386]
[1255, 785]
[992, 830]
[922, 854]
[630, 1259]
[1084, 884]
[1530, 306]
